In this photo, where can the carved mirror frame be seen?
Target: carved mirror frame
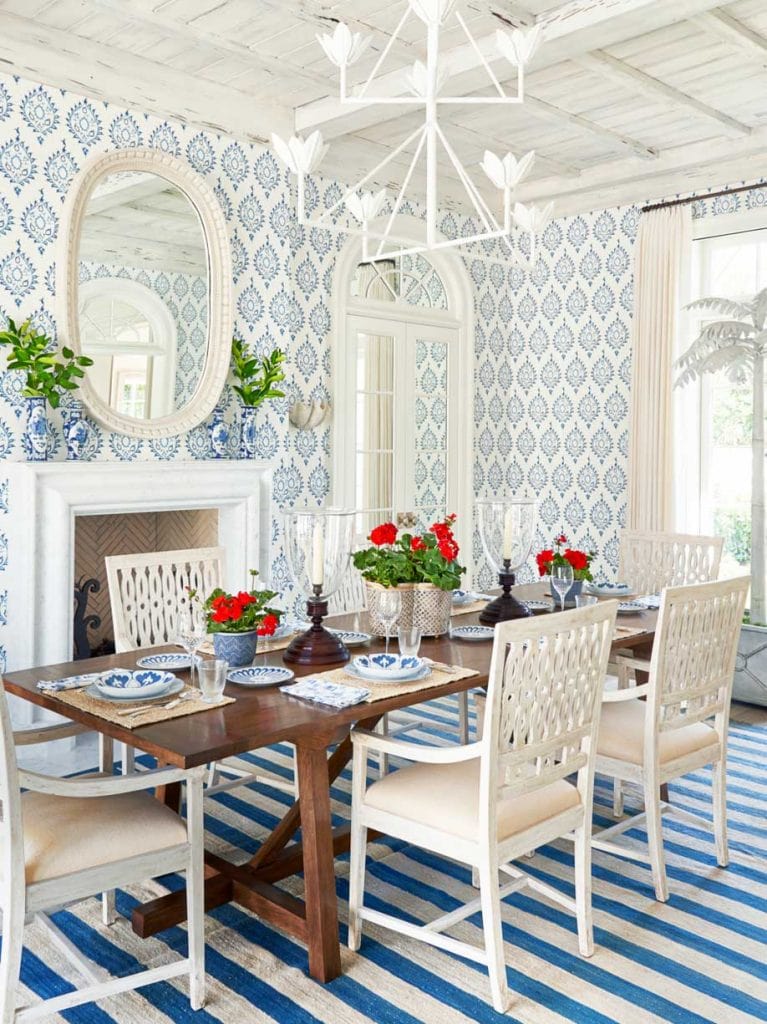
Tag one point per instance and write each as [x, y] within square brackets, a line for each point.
[216, 239]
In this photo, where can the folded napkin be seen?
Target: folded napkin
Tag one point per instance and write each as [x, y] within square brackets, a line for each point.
[322, 691]
[69, 683]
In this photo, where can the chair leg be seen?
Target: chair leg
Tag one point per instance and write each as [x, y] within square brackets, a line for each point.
[212, 774]
[383, 759]
[128, 759]
[357, 854]
[463, 716]
[719, 796]
[655, 840]
[195, 894]
[617, 798]
[583, 891]
[491, 925]
[10, 961]
[108, 911]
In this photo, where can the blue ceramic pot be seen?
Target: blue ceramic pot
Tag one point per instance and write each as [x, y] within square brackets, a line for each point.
[76, 431]
[218, 434]
[236, 648]
[575, 589]
[36, 439]
[248, 432]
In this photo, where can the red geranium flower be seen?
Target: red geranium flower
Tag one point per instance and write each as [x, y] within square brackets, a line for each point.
[577, 559]
[544, 559]
[268, 625]
[417, 544]
[245, 598]
[448, 549]
[386, 533]
[561, 539]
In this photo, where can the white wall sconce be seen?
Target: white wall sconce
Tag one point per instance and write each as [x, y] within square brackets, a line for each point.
[309, 415]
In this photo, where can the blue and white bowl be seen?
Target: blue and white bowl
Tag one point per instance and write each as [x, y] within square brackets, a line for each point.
[127, 685]
[167, 662]
[603, 588]
[390, 667]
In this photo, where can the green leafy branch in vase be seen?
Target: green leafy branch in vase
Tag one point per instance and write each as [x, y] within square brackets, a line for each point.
[34, 354]
[257, 377]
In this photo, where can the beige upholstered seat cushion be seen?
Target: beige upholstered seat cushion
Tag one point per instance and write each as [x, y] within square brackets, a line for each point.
[621, 734]
[66, 834]
[446, 797]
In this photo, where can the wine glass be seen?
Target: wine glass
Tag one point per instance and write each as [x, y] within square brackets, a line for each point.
[389, 606]
[191, 629]
[561, 581]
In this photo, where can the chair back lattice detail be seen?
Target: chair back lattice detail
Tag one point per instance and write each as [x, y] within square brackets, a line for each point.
[651, 561]
[147, 590]
[544, 695]
[694, 652]
[11, 850]
[350, 596]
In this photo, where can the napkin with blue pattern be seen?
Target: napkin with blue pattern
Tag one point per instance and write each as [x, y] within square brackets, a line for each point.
[323, 691]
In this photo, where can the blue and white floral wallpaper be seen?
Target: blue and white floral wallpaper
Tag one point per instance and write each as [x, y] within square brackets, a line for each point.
[552, 372]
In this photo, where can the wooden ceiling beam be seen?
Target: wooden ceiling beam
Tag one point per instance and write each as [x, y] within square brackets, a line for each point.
[615, 140]
[721, 23]
[572, 30]
[611, 68]
[67, 61]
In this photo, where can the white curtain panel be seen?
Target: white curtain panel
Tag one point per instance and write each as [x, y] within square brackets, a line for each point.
[662, 251]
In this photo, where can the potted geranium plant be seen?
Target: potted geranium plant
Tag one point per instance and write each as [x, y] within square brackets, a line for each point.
[423, 567]
[257, 380]
[238, 620]
[47, 375]
[579, 560]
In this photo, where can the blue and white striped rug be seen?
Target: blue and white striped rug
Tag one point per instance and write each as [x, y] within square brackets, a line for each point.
[699, 958]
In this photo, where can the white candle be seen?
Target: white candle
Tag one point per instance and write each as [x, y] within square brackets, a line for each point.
[508, 534]
[318, 556]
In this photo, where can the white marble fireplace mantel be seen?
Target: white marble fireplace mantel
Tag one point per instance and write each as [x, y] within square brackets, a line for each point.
[46, 498]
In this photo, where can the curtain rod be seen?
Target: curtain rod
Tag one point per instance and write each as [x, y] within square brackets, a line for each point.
[703, 195]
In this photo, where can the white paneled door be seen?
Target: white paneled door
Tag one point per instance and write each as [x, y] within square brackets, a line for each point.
[401, 395]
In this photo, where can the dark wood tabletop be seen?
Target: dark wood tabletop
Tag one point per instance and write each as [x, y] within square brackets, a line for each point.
[321, 735]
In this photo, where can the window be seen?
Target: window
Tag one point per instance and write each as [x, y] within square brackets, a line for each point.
[732, 266]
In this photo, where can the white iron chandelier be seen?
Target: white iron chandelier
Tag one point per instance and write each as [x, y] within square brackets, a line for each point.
[425, 83]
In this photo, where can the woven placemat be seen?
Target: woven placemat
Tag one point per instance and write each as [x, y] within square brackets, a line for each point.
[190, 704]
[624, 632]
[468, 609]
[382, 691]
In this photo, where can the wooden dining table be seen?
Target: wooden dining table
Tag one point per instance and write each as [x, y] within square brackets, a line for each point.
[321, 735]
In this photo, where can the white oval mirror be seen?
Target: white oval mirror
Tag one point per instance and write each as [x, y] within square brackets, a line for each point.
[144, 281]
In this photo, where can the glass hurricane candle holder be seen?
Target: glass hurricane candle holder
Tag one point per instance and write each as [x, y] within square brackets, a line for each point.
[506, 528]
[318, 545]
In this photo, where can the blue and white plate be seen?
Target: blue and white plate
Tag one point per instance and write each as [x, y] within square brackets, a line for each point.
[260, 675]
[391, 668]
[350, 670]
[461, 597]
[631, 608]
[111, 697]
[167, 662]
[539, 606]
[603, 588]
[123, 684]
[350, 638]
[472, 633]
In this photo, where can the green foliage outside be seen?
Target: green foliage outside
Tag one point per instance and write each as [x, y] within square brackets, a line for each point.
[735, 527]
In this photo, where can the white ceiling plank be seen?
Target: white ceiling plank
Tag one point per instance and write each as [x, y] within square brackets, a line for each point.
[65, 61]
[722, 24]
[570, 31]
[613, 139]
[604, 64]
[178, 29]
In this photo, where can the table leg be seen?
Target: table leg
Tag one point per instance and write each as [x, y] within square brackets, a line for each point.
[319, 872]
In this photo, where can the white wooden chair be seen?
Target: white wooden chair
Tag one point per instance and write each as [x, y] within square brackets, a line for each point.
[65, 840]
[650, 742]
[347, 600]
[145, 593]
[651, 561]
[487, 803]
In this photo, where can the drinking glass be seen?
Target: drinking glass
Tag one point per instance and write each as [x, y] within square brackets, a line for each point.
[585, 600]
[191, 630]
[212, 675]
[561, 581]
[409, 641]
[389, 608]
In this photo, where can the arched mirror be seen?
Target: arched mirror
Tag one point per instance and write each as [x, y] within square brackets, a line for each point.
[144, 281]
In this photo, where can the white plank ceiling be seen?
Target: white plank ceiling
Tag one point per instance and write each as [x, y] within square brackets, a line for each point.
[626, 99]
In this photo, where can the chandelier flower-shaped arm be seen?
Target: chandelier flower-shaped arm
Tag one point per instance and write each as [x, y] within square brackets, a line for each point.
[344, 47]
[506, 172]
[533, 218]
[300, 156]
[417, 79]
[432, 12]
[519, 45]
[367, 206]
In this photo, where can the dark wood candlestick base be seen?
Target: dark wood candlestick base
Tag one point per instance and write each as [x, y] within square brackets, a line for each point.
[505, 607]
[317, 646]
